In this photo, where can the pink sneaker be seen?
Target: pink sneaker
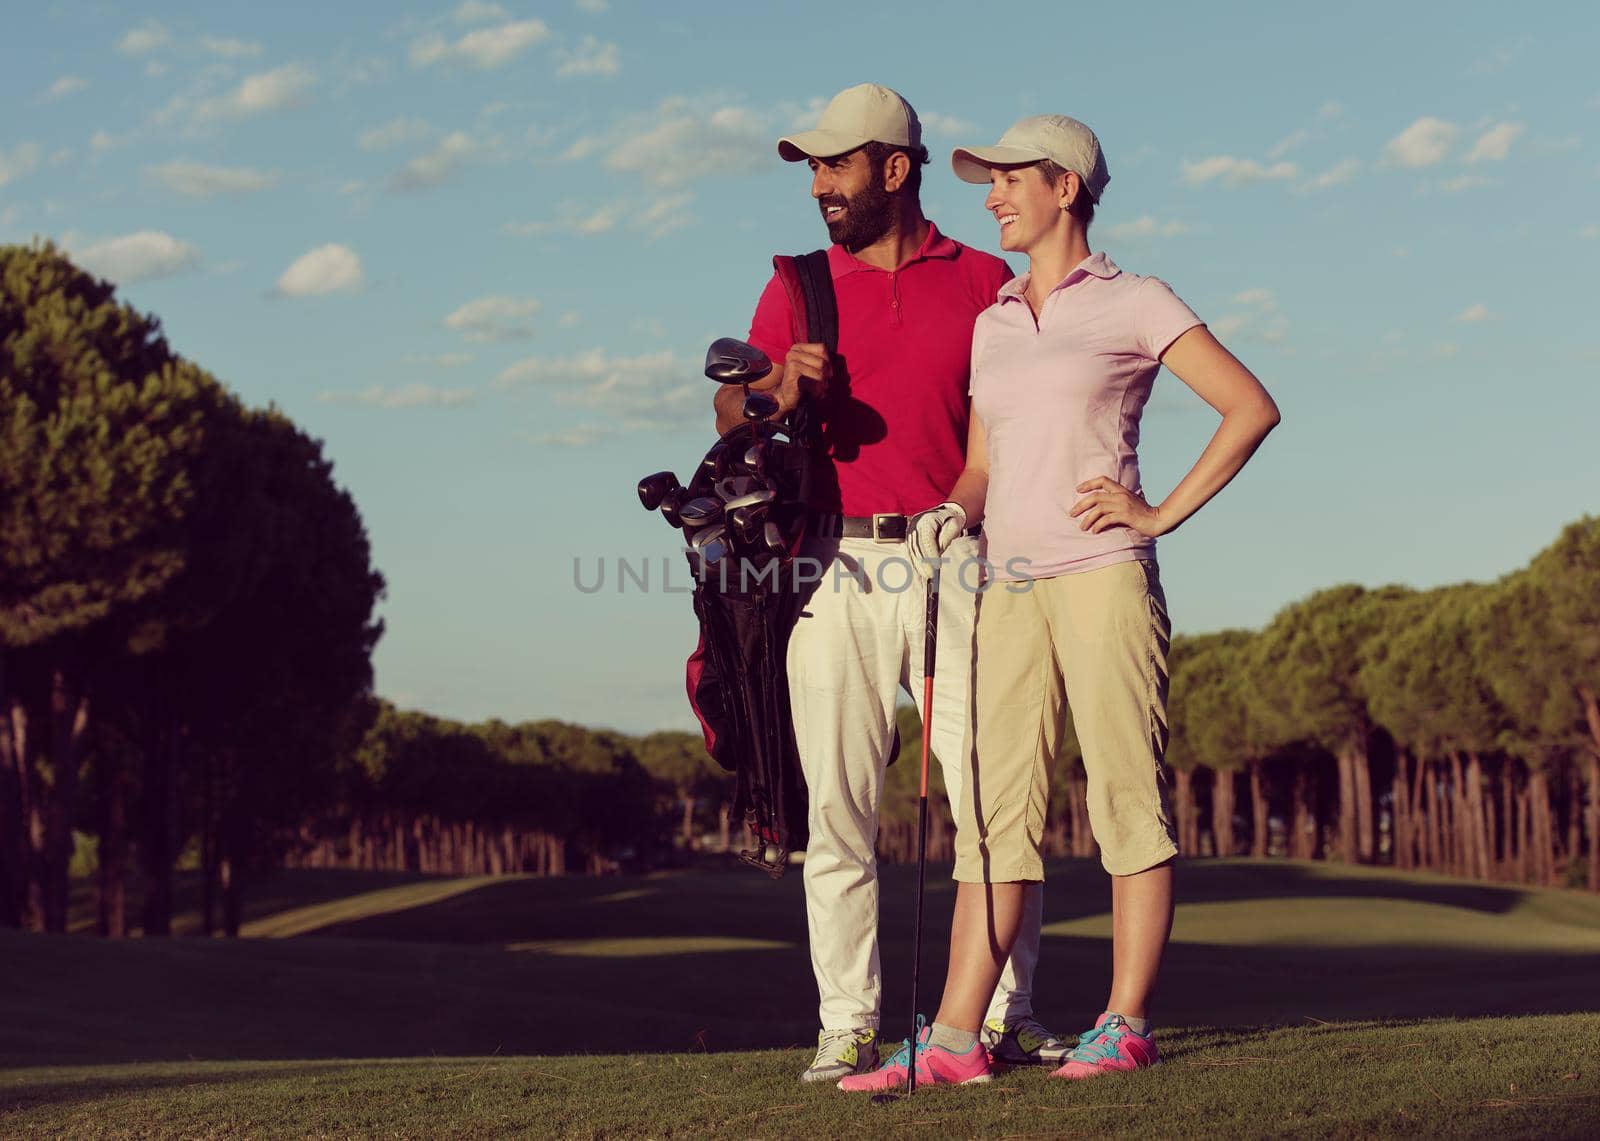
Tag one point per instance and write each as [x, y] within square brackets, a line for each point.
[1108, 1048]
[936, 1066]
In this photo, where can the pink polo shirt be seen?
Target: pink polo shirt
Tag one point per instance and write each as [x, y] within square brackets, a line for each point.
[895, 420]
[1060, 401]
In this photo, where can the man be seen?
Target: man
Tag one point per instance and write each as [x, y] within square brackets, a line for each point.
[894, 408]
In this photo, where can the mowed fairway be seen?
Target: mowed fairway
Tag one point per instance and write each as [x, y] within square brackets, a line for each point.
[1298, 999]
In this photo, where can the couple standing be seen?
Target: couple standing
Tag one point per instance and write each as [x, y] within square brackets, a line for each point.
[1014, 402]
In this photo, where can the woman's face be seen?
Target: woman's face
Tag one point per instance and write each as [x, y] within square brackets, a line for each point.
[1027, 207]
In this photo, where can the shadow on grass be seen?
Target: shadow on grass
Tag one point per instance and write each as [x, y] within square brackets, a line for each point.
[23, 1093]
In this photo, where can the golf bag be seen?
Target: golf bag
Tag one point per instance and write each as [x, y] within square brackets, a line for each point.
[736, 678]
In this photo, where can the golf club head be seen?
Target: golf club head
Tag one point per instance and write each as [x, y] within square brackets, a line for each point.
[733, 362]
[699, 512]
[670, 503]
[712, 544]
[772, 538]
[755, 497]
[755, 457]
[654, 488]
[733, 486]
[760, 406]
[747, 523]
[715, 462]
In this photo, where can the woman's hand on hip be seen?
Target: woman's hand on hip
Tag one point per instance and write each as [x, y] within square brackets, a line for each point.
[1106, 503]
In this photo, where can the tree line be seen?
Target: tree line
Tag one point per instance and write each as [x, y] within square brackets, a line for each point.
[187, 619]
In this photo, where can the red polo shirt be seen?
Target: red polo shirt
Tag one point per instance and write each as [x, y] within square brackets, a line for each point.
[895, 419]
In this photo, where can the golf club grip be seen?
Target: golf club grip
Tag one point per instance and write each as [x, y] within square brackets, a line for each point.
[931, 635]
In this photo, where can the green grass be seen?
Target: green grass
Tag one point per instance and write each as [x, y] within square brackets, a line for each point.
[1298, 999]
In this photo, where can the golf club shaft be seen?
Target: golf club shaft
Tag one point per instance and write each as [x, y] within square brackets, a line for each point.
[929, 647]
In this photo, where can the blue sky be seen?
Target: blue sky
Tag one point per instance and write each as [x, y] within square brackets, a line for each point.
[479, 249]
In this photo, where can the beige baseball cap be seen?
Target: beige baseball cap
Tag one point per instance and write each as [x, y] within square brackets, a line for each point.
[1066, 142]
[866, 113]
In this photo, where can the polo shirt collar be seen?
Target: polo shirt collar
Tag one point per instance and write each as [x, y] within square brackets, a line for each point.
[841, 261]
[1095, 265]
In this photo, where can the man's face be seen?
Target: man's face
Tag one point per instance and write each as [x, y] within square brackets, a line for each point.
[850, 193]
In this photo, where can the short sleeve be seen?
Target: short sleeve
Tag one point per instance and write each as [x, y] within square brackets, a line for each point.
[1161, 318]
[977, 351]
[772, 328]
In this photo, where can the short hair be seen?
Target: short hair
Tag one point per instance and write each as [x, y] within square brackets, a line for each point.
[1082, 207]
[878, 153]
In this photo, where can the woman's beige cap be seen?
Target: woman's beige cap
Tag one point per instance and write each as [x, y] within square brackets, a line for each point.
[866, 113]
[1066, 142]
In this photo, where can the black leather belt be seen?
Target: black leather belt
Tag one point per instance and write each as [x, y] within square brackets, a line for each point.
[883, 528]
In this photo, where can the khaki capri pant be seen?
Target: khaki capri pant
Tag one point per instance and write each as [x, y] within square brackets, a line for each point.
[1097, 640]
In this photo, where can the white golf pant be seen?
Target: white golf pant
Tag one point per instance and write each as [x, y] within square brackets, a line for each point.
[858, 641]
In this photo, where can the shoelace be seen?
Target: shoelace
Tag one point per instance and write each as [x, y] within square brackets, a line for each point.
[828, 1041]
[1099, 1044]
[902, 1056]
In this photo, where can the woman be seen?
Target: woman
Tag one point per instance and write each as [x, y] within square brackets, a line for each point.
[1062, 365]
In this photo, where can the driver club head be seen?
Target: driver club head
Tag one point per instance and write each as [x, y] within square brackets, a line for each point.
[670, 503]
[760, 406]
[654, 488]
[734, 362]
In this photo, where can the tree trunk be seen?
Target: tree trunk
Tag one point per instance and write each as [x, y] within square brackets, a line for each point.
[210, 857]
[1477, 817]
[1222, 796]
[1258, 812]
[112, 875]
[13, 795]
[724, 827]
[686, 829]
[1594, 820]
[1361, 772]
[1574, 846]
[1438, 854]
[1400, 810]
[159, 839]
[1421, 818]
[1303, 827]
[69, 724]
[1348, 841]
[1544, 838]
[1184, 807]
[1508, 819]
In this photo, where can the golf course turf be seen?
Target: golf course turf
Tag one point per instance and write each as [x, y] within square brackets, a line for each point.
[1297, 1000]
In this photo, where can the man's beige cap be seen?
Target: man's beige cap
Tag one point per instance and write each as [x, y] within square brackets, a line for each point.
[1066, 142]
[866, 113]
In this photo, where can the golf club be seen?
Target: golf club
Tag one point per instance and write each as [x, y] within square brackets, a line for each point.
[755, 497]
[929, 645]
[670, 503]
[760, 406]
[735, 486]
[699, 512]
[654, 488]
[734, 362]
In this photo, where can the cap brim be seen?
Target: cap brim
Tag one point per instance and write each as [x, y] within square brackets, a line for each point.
[817, 144]
[973, 164]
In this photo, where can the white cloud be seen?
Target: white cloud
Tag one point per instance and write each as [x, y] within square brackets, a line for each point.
[281, 89]
[945, 126]
[495, 318]
[229, 48]
[1336, 175]
[478, 12]
[593, 6]
[102, 141]
[1495, 143]
[1424, 143]
[681, 140]
[442, 360]
[1592, 230]
[1234, 172]
[1284, 146]
[197, 180]
[572, 317]
[1262, 297]
[1330, 111]
[1463, 182]
[407, 396]
[66, 85]
[395, 133]
[327, 269]
[155, 69]
[663, 215]
[1475, 313]
[484, 48]
[658, 216]
[591, 57]
[1259, 319]
[144, 39]
[136, 257]
[1145, 226]
[21, 161]
[592, 367]
[578, 436]
[436, 166]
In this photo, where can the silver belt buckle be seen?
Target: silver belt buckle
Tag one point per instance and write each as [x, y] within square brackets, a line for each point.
[877, 527]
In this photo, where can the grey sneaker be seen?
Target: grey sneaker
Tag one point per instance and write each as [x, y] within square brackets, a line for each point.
[1023, 1042]
[841, 1053]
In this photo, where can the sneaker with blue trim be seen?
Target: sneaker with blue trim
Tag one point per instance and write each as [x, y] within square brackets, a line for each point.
[1023, 1042]
[841, 1053]
[1111, 1047]
[935, 1065]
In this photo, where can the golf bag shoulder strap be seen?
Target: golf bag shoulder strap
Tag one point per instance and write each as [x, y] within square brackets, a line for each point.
[808, 281]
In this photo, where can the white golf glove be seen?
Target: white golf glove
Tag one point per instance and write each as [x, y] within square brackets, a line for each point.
[929, 534]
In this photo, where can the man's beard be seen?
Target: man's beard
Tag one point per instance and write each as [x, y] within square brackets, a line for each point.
[868, 216]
